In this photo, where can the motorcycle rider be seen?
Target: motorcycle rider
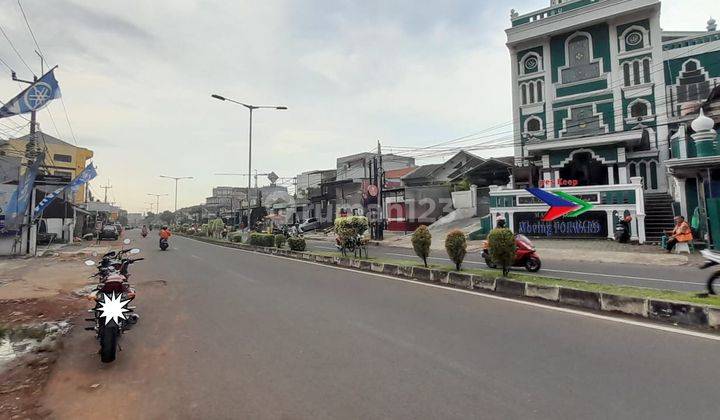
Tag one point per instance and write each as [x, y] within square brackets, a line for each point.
[165, 233]
[144, 231]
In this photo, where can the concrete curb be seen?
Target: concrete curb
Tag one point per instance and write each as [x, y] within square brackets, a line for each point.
[676, 313]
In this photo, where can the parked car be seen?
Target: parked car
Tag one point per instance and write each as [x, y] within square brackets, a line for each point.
[310, 224]
[109, 232]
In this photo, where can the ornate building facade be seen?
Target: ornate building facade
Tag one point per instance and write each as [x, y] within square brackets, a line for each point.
[599, 90]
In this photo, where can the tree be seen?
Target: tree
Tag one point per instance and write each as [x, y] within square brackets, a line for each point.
[456, 247]
[501, 245]
[167, 217]
[421, 240]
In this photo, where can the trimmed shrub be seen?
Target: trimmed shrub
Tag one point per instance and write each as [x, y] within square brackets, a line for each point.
[456, 247]
[501, 245]
[215, 227]
[296, 243]
[421, 240]
[350, 226]
[262, 239]
[235, 237]
[279, 240]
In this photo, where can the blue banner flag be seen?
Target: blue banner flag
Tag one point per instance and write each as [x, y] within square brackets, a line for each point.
[85, 176]
[34, 97]
[17, 205]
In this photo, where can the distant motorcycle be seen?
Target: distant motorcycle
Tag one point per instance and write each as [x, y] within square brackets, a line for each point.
[525, 255]
[163, 244]
[112, 295]
[712, 258]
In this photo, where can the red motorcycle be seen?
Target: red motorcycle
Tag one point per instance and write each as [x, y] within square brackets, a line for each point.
[525, 255]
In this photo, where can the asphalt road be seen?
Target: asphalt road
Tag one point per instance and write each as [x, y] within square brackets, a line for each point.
[229, 334]
[683, 278]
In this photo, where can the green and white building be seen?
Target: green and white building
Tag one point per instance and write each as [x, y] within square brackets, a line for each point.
[598, 91]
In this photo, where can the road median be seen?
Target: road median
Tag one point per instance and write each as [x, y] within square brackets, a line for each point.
[677, 308]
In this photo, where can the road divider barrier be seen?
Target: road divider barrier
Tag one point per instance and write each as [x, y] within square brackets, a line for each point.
[676, 313]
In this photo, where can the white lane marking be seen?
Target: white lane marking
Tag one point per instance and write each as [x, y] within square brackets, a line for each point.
[557, 271]
[657, 327]
[195, 256]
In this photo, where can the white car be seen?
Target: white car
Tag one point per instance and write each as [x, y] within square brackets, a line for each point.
[310, 224]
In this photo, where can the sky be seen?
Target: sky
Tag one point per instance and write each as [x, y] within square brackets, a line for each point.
[136, 79]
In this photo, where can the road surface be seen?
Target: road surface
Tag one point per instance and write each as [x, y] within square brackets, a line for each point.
[682, 278]
[229, 334]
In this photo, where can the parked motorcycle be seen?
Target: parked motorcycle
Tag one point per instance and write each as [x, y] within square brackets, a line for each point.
[525, 255]
[163, 244]
[622, 230]
[712, 258]
[112, 295]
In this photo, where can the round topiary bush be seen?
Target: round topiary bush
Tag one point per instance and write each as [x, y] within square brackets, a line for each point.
[421, 240]
[501, 245]
[279, 240]
[296, 243]
[456, 247]
[235, 237]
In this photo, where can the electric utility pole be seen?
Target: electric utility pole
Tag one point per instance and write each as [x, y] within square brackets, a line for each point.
[106, 188]
[157, 201]
[379, 179]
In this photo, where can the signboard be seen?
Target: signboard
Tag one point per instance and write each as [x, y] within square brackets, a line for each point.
[372, 189]
[591, 224]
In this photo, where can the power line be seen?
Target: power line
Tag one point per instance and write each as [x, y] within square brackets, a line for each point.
[30, 29]
[16, 51]
[67, 118]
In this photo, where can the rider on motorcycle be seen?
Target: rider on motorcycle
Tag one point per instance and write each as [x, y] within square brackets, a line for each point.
[165, 233]
[144, 231]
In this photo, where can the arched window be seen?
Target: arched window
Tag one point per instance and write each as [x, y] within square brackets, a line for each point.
[533, 125]
[523, 89]
[539, 91]
[626, 73]
[636, 72]
[690, 65]
[531, 88]
[639, 109]
[580, 64]
[530, 63]
[646, 70]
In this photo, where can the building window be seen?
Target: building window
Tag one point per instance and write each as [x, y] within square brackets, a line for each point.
[580, 63]
[639, 109]
[533, 125]
[693, 83]
[626, 73]
[636, 72]
[531, 88]
[634, 39]
[539, 91]
[530, 63]
[523, 89]
[62, 158]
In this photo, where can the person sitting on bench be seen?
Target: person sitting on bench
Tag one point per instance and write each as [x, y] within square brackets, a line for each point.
[681, 233]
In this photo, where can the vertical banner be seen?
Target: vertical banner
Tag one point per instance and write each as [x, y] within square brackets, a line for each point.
[18, 204]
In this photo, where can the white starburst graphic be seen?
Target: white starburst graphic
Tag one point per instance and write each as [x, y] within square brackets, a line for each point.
[113, 308]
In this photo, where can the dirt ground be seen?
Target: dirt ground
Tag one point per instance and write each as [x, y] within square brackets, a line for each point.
[33, 292]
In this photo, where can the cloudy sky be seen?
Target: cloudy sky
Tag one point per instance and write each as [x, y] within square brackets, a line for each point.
[136, 78]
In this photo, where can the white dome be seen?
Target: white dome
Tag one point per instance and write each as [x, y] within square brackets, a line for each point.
[702, 123]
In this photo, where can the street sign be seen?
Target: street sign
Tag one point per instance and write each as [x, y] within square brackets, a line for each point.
[372, 190]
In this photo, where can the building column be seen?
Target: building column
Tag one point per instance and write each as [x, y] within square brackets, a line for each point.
[622, 174]
[610, 224]
[517, 129]
[611, 175]
[616, 79]
[682, 195]
[557, 176]
[549, 91]
[661, 104]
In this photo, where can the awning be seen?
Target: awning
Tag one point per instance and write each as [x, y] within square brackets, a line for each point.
[631, 138]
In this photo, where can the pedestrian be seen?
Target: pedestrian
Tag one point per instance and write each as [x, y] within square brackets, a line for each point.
[499, 221]
[681, 233]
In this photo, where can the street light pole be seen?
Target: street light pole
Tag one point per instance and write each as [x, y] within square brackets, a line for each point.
[176, 178]
[250, 108]
[157, 202]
